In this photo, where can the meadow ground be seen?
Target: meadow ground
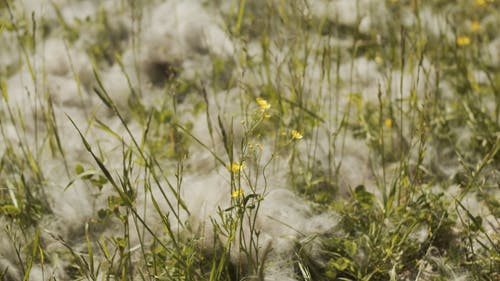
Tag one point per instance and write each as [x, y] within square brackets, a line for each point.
[249, 140]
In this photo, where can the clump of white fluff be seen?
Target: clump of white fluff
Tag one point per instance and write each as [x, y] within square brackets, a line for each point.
[344, 11]
[6, 254]
[61, 59]
[283, 219]
[360, 14]
[184, 38]
[188, 31]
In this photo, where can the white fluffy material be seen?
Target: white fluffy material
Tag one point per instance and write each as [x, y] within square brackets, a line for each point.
[185, 35]
[188, 29]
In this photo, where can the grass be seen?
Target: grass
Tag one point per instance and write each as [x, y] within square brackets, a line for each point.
[392, 126]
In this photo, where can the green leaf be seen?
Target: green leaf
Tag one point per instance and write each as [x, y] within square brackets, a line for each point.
[350, 248]
[340, 263]
[3, 87]
[10, 210]
[365, 198]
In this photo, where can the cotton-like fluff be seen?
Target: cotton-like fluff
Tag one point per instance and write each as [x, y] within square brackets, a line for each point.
[56, 62]
[38, 273]
[188, 29]
[63, 59]
[8, 56]
[78, 10]
[350, 162]
[70, 207]
[116, 85]
[347, 12]
[354, 165]
[7, 251]
[419, 80]
[40, 8]
[435, 24]
[60, 64]
[438, 266]
[364, 76]
[471, 204]
[23, 98]
[493, 52]
[53, 101]
[282, 220]
[343, 11]
[221, 106]
[283, 217]
[185, 34]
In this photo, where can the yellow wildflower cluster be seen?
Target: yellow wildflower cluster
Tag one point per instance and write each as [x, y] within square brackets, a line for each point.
[235, 167]
[463, 40]
[264, 106]
[256, 146]
[296, 135]
[481, 3]
[237, 193]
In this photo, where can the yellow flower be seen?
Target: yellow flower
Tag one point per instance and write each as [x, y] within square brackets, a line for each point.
[388, 123]
[475, 26]
[481, 3]
[296, 135]
[237, 193]
[263, 104]
[235, 167]
[463, 40]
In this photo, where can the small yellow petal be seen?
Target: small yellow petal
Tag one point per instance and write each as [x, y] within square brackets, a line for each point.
[475, 26]
[481, 3]
[263, 104]
[388, 123]
[237, 193]
[296, 135]
[463, 40]
[235, 167]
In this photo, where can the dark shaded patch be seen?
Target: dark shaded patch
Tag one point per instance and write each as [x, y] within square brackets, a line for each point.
[160, 72]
